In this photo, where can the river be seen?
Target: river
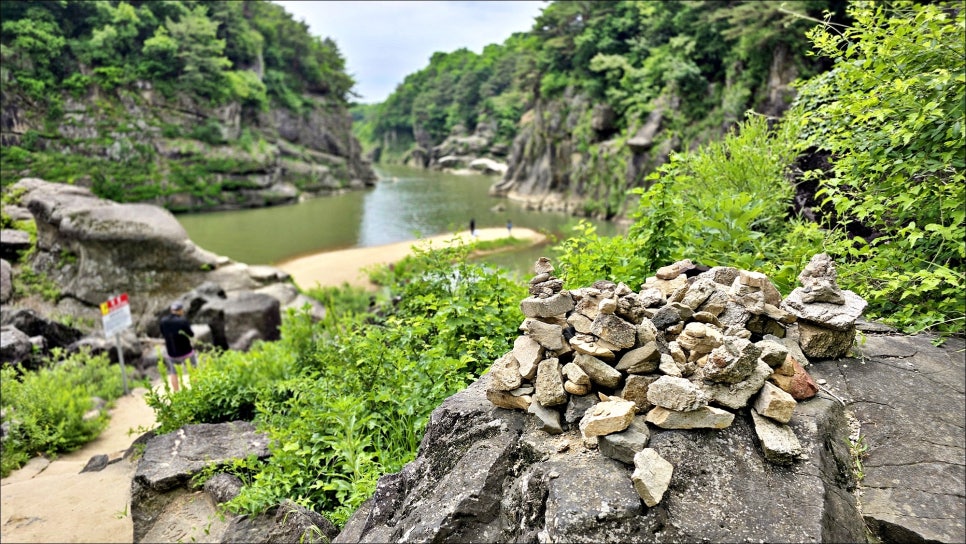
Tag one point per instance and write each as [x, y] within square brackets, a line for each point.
[405, 204]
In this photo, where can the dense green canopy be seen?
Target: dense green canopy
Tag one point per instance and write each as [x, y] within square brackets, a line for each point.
[213, 50]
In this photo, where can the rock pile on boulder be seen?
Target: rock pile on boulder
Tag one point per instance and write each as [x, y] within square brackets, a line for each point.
[687, 351]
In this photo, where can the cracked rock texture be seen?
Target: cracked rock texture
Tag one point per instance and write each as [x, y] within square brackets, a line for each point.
[908, 399]
[487, 474]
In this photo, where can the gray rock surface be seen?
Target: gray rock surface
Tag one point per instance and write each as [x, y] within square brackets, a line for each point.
[907, 397]
[56, 334]
[15, 346]
[171, 460]
[485, 474]
[6, 281]
[285, 523]
[94, 249]
[12, 243]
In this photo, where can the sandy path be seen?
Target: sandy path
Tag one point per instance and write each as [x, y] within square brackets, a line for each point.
[347, 266]
[53, 502]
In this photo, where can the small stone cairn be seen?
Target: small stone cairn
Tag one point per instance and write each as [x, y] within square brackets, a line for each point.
[687, 351]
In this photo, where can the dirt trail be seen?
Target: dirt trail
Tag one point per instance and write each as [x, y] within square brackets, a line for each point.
[51, 501]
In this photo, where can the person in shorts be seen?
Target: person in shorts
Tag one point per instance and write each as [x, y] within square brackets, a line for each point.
[176, 330]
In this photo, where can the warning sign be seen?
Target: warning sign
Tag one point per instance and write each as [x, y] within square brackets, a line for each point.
[116, 315]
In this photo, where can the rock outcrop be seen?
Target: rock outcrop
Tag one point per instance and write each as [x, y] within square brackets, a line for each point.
[93, 249]
[498, 465]
[556, 164]
[166, 506]
[468, 153]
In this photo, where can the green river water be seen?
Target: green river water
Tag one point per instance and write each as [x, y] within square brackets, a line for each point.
[405, 204]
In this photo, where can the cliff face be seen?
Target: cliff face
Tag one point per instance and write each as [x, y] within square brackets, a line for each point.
[569, 156]
[138, 145]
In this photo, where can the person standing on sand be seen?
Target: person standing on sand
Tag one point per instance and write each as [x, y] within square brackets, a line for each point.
[176, 330]
[509, 228]
[472, 227]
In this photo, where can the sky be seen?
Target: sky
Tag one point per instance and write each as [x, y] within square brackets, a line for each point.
[383, 42]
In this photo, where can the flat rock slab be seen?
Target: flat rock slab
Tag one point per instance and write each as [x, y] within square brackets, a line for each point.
[908, 396]
[159, 502]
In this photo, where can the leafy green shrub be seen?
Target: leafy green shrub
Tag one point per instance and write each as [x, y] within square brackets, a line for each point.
[30, 282]
[891, 112]
[586, 257]
[724, 204]
[346, 400]
[208, 132]
[45, 409]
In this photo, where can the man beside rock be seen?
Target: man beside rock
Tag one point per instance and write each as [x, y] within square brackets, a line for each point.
[177, 342]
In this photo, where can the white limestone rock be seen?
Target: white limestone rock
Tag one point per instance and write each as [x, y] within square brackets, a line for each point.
[676, 394]
[652, 476]
[774, 403]
[707, 417]
[612, 416]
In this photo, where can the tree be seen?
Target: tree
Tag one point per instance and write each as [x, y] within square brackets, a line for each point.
[891, 113]
[200, 55]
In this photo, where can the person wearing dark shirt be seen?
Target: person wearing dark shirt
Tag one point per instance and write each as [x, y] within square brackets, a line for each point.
[177, 334]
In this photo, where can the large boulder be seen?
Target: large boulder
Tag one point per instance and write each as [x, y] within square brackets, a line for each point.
[487, 474]
[94, 249]
[907, 398]
[248, 317]
[12, 243]
[56, 334]
[15, 345]
[6, 281]
[282, 524]
[166, 507]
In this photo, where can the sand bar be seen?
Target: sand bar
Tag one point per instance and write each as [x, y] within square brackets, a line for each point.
[333, 268]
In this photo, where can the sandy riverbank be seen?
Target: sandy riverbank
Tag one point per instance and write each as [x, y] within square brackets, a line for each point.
[333, 268]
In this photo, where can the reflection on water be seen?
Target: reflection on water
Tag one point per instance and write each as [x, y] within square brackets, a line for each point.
[405, 205]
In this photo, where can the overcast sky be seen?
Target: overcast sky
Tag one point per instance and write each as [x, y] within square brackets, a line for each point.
[383, 42]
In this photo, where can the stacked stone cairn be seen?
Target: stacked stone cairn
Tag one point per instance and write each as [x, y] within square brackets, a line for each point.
[687, 351]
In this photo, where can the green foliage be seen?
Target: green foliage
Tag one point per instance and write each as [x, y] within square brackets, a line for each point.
[891, 112]
[29, 282]
[200, 61]
[45, 409]
[724, 204]
[208, 132]
[205, 49]
[587, 257]
[459, 88]
[202, 53]
[345, 400]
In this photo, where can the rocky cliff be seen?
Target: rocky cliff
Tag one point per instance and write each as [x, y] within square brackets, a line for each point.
[139, 145]
[569, 156]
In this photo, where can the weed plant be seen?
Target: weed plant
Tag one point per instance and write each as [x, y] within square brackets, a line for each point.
[346, 400]
[45, 409]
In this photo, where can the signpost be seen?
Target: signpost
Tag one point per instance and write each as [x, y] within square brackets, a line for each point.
[116, 316]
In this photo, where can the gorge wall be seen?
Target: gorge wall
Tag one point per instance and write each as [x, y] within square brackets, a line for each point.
[192, 157]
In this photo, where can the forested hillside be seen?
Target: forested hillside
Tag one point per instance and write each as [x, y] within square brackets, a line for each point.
[192, 104]
[598, 94]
